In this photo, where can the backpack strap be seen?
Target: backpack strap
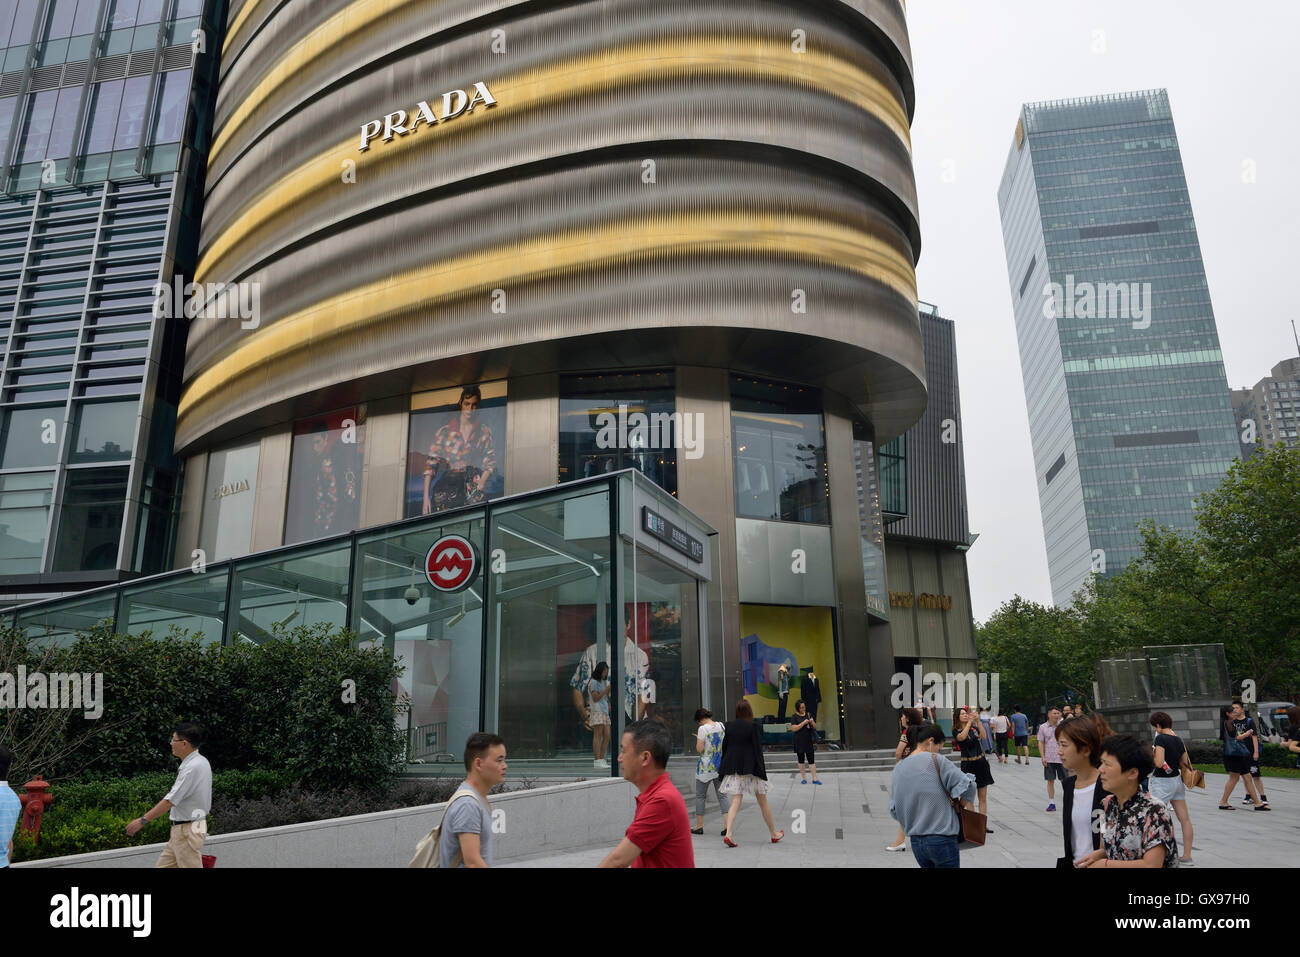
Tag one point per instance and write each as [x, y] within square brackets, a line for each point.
[458, 858]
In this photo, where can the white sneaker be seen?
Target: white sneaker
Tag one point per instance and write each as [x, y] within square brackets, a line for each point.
[598, 763]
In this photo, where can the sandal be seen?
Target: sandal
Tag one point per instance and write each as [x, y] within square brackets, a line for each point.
[1226, 807]
[1262, 807]
[777, 839]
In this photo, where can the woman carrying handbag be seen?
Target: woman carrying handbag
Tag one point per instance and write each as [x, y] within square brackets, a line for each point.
[1167, 779]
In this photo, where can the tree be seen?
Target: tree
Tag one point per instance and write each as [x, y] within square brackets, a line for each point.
[1035, 650]
[1234, 579]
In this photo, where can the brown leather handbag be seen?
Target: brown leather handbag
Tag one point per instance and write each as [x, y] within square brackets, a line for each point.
[1192, 778]
[971, 824]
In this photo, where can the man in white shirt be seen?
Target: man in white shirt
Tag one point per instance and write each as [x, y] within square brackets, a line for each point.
[187, 804]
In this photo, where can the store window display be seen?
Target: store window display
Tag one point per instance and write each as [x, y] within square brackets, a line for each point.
[325, 476]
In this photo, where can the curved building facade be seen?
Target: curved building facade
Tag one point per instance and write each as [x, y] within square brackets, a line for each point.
[458, 250]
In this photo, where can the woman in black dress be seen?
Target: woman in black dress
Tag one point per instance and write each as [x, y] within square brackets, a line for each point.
[969, 732]
[742, 769]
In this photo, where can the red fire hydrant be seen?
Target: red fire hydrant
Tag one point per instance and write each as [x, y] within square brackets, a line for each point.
[34, 803]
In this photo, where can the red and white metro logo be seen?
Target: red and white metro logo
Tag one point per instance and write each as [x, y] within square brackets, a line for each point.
[451, 563]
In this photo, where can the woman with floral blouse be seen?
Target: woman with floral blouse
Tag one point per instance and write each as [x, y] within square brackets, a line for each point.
[1137, 830]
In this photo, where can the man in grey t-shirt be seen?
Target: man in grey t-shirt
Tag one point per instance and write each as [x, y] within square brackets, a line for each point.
[467, 823]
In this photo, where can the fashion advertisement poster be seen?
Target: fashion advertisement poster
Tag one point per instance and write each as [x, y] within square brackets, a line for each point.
[325, 476]
[803, 639]
[649, 670]
[456, 455]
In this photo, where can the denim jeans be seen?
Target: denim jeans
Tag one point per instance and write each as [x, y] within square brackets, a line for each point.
[935, 850]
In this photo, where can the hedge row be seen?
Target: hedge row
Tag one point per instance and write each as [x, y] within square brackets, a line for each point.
[307, 702]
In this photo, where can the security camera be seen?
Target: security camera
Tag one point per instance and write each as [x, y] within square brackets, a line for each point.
[412, 595]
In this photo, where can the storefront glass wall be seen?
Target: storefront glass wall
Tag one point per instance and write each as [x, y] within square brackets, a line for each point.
[559, 573]
[436, 636]
[780, 452]
[614, 421]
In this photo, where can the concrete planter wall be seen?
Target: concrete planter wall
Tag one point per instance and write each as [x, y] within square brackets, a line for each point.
[543, 820]
[1192, 722]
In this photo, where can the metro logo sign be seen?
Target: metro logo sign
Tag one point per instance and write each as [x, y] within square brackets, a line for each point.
[451, 563]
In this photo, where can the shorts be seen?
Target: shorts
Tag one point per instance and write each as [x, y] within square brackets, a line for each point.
[1054, 771]
[805, 757]
[744, 784]
[1022, 740]
[598, 717]
[980, 768]
[1237, 763]
[1167, 790]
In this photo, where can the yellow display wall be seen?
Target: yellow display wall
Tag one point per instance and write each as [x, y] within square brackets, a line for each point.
[808, 634]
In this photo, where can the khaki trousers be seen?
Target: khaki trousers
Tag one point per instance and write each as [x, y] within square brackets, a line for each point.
[184, 846]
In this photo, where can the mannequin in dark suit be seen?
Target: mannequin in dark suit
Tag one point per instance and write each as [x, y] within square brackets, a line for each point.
[811, 691]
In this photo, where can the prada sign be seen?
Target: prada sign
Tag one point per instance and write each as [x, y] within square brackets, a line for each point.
[399, 122]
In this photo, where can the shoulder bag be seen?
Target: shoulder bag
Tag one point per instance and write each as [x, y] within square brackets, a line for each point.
[970, 824]
[428, 851]
[1192, 778]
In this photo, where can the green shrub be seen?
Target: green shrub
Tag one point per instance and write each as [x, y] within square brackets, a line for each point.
[279, 705]
[1270, 755]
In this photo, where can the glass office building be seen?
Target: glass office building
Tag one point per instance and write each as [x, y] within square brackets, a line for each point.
[1129, 409]
[105, 109]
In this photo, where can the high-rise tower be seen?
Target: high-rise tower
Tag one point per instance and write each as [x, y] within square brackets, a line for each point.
[1129, 410]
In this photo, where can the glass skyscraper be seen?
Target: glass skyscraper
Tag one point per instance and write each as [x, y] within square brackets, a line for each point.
[1129, 409]
[105, 112]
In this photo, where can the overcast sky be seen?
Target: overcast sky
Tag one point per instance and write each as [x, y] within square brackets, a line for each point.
[1231, 73]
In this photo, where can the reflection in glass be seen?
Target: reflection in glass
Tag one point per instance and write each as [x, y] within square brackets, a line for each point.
[614, 421]
[172, 101]
[305, 587]
[779, 452]
[60, 625]
[436, 636]
[90, 522]
[549, 610]
[30, 437]
[325, 476]
[193, 603]
[227, 527]
[24, 516]
[105, 432]
[131, 116]
[103, 116]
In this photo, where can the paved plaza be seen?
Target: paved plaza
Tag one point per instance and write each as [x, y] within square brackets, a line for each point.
[848, 825]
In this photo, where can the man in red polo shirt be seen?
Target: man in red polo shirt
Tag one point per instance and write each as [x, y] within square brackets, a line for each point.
[660, 835]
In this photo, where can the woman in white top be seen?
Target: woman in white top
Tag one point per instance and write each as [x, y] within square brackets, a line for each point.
[1001, 728]
[1079, 741]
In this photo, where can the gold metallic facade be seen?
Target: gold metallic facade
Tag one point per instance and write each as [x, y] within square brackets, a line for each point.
[726, 185]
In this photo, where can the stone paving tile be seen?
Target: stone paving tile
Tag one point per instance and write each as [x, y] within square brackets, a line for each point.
[1025, 834]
